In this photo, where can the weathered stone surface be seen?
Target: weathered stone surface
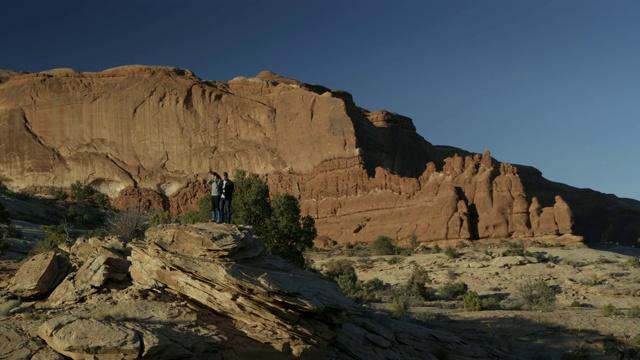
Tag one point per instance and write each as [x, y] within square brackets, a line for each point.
[82, 339]
[92, 275]
[36, 276]
[15, 344]
[207, 240]
[304, 311]
[563, 216]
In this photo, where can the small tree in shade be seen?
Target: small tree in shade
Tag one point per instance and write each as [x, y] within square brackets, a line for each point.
[277, 220]
[289, 234]
[383, 245]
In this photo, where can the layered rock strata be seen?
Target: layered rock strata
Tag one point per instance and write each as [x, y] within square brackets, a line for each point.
[147, 136]
[244, 303]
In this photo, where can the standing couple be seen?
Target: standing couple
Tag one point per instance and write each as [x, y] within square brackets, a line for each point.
[221, 195]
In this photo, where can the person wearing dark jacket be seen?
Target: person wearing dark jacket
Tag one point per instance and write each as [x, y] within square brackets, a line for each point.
[216, 191]
[226, 197]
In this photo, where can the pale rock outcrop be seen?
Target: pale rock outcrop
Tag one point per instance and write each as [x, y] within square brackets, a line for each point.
[304, 312]
[15, 344]
[36, 276]
[82, 339]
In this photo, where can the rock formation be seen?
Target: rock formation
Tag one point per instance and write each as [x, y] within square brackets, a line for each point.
[241, 302]
[147, 136]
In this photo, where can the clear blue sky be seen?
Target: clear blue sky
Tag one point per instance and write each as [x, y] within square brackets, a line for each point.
[552, 84]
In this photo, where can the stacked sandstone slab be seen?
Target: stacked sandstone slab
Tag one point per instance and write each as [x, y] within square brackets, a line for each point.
[237, 301]
[147, 136]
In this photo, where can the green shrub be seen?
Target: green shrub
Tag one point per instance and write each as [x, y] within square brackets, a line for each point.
[576, 303]
[537, 294]
[413, 241]
[81, 192]
[634, 261]
[634, 311]
[159, 217]
[56, 235]
[610, 310]
[516, 249]
[490, 303]
[394, 260]
[451, 253]
[582, 352]
[436, 249]
[627, 348]
[452, 291]
[471, 301]
[399, 307]
[383, 245]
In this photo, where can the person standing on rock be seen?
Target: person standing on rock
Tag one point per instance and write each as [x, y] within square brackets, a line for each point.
[216, 191]
[225, 198]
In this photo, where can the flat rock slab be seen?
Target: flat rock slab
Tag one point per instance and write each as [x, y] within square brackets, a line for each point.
[36, 276]
[14, 344]
[82, 339]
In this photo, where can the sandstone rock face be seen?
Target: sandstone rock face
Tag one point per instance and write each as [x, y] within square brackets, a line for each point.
[303, 315]
[147, 136]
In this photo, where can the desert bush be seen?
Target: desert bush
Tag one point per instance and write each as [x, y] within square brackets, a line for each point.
[627, 348]
[452, 291]
[56, 235]
[80, 192]
[6, 306]
[159, 217]
[399, 307]
[610, 310]
[128, 224]
[490, 303]
[394, 260]
[277, 220]
[383, 245]
[413, 241]
[471, 301]
[575, 303]
[100, 233]
[58, 193]
[633, 261]
[451, 253]
[536, 294]
[516, 249]
[582, 352]
[634, 311]
[102, 201]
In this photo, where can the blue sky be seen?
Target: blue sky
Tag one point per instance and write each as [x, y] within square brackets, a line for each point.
[552, 84]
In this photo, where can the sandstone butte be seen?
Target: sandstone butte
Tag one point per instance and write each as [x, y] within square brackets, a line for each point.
[147, 136]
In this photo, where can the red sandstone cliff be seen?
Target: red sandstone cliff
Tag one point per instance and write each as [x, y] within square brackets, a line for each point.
[151, 133]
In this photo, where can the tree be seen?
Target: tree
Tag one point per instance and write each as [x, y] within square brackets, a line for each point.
[383, 245]
[250, 204]
[277, 220]
[288, 233]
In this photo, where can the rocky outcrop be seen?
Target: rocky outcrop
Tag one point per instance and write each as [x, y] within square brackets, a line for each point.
[147, 136]
[37, 276]
[212, 291]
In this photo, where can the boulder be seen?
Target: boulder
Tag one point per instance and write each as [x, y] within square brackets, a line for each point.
[36, 276]
[89, 278]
